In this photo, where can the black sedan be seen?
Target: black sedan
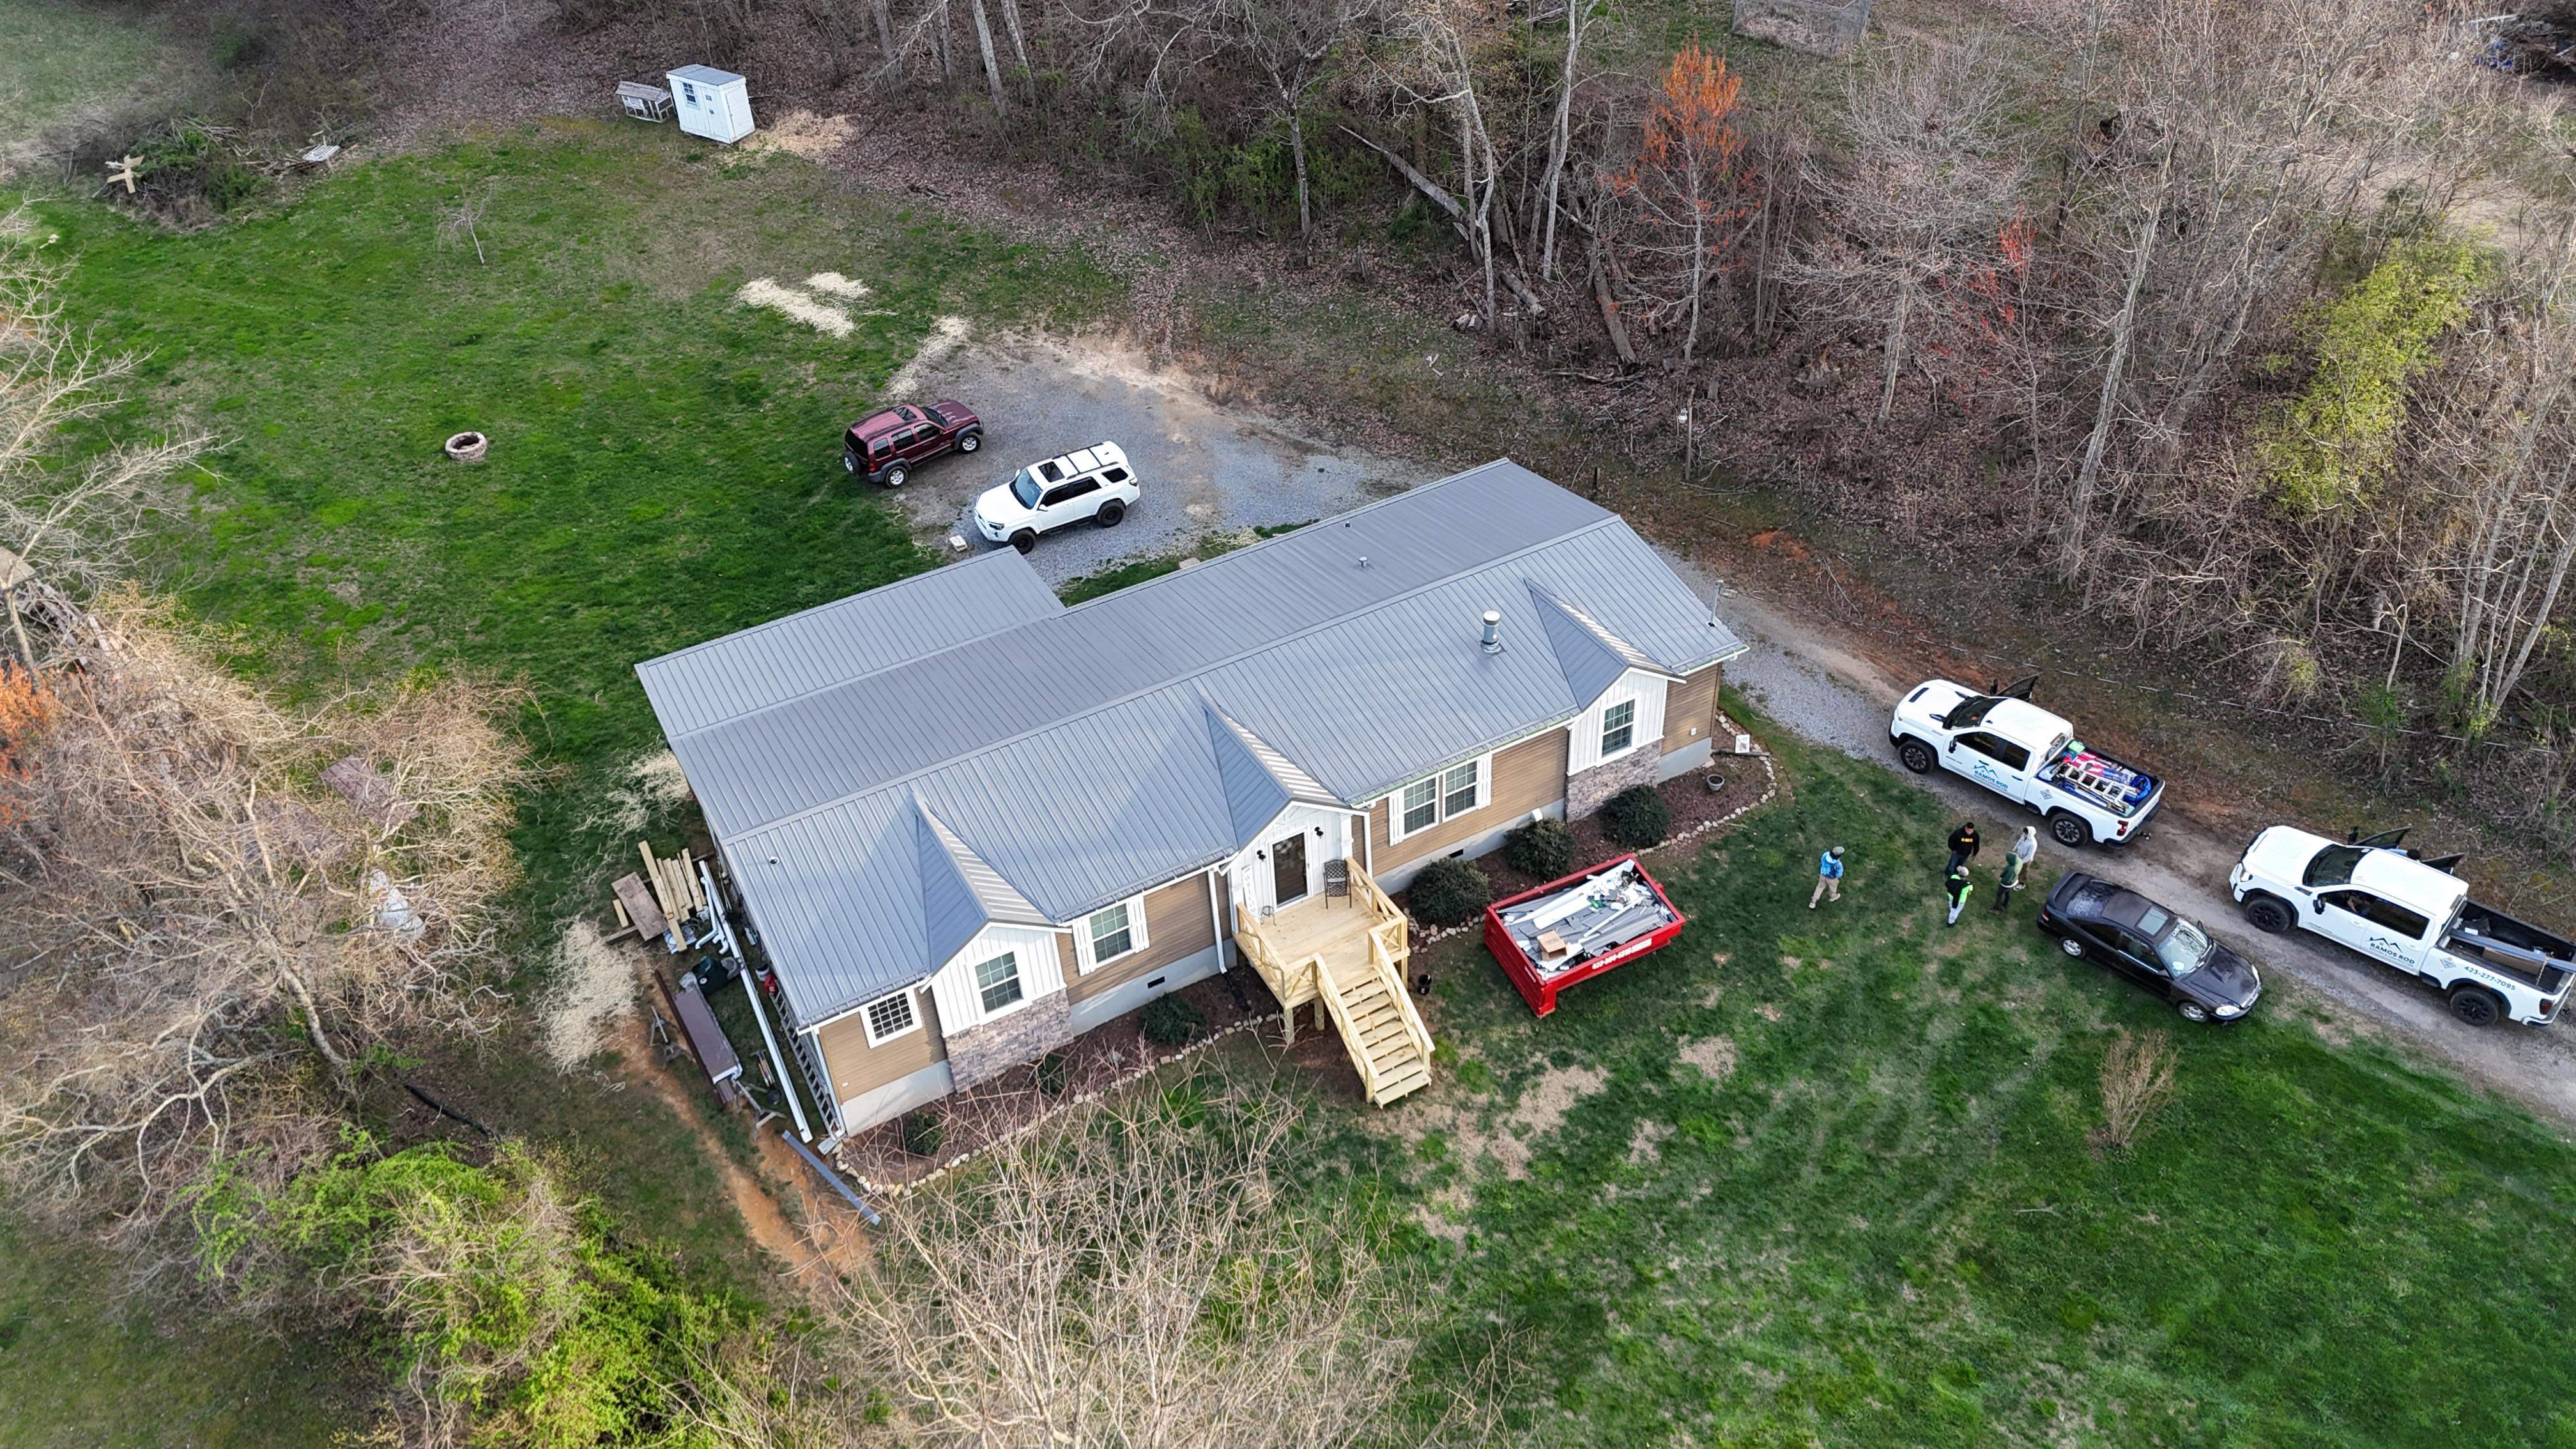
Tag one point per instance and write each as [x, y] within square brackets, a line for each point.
[2167, 954]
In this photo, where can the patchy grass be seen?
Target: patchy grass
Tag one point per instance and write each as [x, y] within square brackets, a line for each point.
[664, 468]
[1881, 1221]
[78, 1370]
[63, 59]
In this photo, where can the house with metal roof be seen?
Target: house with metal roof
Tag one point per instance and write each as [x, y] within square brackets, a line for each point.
[967, 822]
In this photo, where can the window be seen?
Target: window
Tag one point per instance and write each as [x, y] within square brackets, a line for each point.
[1971, 711]
[1458, 788]
[890, 1016]
[1071, 491]
[1995, 747]
[1113, 933]
[1445, 796]
[999, 980]
[1114, 475]
[2371, 908]
[1618, 727]
[2333, 866]
[1421, 805]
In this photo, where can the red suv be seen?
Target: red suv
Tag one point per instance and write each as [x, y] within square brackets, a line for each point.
[885, 447]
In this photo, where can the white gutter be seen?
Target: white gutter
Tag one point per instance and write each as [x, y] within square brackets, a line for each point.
[759, 1014]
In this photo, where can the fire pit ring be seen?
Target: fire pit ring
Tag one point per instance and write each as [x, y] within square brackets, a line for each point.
[468, 447]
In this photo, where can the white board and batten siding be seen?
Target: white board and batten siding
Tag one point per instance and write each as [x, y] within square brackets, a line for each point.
[1646, 690]
[712, 103]
[961, 998]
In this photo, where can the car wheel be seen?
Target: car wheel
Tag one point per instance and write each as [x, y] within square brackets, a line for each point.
[2192, 1011]
[1917, 756]
[1109, 514]
[895, 477]
[2069, 830]
[969, 442]
[1024, 540]
[2476, 1005]
[2269, 915]
[2071, 947]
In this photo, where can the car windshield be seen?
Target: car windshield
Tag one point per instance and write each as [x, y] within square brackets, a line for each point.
[2184, 949]
[2334, 865]
[1024, 487]
[936, 416]
[1972, 711]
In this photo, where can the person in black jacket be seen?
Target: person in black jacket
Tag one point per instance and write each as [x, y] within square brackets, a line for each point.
[1963, 846]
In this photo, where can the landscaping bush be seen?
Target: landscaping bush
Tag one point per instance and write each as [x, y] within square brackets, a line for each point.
[1543, 848]
[1170, 1021]
[1054, 1074]
[922, 1134]
[1449, 892]
[1636, 817]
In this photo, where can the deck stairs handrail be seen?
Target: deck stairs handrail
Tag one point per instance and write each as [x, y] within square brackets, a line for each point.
[1363, 991]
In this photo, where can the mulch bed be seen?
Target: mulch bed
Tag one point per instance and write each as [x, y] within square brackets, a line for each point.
[1095, 1061]
[1687, 795]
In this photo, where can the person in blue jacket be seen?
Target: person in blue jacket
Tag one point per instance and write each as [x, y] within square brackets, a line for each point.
[1829, 877]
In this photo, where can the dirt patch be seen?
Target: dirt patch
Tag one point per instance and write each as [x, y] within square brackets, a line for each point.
[652, 784]
[1540, 1110]
[1646, 1144]
[804, 133]
[1714, 1056]
[946, 336]
[833, 284]
[823, 317]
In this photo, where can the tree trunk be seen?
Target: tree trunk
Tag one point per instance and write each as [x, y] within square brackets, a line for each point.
[939, 42]
[1019, 38]
[1561, 139]
[2080, 506]
[1297, 150]
[984, 43]
[884, 10]
[1699, 278]
[1895, 346]
[1609, 304]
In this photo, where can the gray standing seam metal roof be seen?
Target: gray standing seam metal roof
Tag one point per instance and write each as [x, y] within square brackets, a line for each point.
[705, 75]
[1077, 755]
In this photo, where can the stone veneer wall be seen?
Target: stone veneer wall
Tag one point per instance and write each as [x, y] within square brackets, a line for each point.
[1586, 789]
[987, 1051]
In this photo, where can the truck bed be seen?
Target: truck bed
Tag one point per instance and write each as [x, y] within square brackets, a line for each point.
[2517, 948]
[2098, 776]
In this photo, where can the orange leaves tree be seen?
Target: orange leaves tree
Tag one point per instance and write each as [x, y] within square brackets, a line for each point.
[1682, 203]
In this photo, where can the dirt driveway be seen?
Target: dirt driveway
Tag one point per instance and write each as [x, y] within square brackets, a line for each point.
[1206, 468]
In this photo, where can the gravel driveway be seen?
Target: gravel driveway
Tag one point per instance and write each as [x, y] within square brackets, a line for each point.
[1803, 677]
[1205, 468]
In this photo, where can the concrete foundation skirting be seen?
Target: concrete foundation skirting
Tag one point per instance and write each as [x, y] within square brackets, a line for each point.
[895, 1098]
[1686, 759]
[1126, 996]
[1398, 877]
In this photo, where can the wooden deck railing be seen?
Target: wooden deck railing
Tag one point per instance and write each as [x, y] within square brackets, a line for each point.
[1380, 952]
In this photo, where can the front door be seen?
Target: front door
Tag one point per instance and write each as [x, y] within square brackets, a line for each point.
[1288, 869]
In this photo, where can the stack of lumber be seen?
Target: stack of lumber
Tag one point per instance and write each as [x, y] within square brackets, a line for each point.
[666, 892]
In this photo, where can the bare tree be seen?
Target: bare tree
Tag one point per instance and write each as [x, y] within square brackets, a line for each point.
[64, 527]
[196, 925]
[1922, 196]
[1130, 1277]
[1291, 42]
[1560, 140]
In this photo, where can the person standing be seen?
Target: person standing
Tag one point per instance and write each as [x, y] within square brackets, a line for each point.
[2016, 865]
[1963, 845]
[1829, 877]
[1957, 885]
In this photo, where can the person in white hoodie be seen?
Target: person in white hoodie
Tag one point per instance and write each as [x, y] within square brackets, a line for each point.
[2017, 866]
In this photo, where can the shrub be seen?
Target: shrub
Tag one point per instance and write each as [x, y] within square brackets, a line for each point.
[1449, 892]
[1543, 848]
[1054, 1074]
[922, 1134]
[1170, 1021]
[1636, 817]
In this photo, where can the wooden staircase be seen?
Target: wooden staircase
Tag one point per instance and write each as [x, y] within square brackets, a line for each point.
[1350, 957]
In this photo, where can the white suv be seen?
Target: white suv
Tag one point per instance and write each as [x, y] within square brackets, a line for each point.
[1089, 483]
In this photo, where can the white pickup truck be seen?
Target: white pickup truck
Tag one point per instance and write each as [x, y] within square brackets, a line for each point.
[2409, 913]
[2027, 755]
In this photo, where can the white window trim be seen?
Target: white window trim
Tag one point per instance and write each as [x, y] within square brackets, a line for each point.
[1395, 830]
[868, 1021]
[1138, 939]
[975, 984]
[1636, 730]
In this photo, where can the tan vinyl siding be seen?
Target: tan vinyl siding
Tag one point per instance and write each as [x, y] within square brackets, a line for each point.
[1177, 926]
[1693, 702]
[1527, 776]
[858, 1067]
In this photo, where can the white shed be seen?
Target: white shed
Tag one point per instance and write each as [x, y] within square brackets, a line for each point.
[712, 103]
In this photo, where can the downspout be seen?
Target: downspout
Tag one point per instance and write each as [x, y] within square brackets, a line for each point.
[759, 1013]
[1216, 917]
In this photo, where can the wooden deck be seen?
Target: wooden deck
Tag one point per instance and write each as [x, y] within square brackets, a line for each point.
[1349, 954]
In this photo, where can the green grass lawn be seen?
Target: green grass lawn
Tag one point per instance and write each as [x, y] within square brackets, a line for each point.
[665, 467]
[1870, 1212]
[60, 58]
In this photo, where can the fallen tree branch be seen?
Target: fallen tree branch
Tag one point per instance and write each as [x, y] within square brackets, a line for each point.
[1458, 221]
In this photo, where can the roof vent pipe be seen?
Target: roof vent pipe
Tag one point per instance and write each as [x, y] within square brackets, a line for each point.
[1493, 632]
